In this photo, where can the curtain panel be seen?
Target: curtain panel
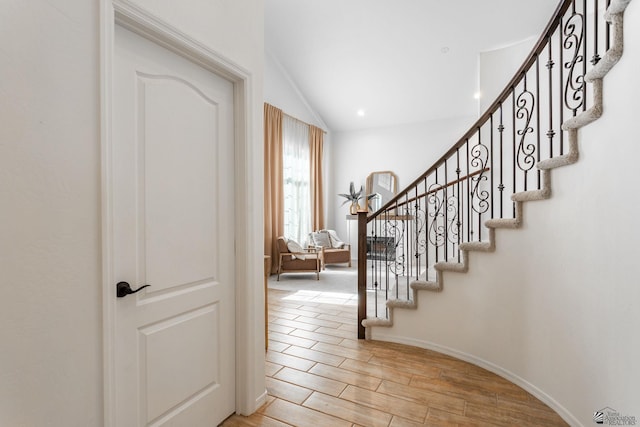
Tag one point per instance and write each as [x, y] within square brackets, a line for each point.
[273, 182]
[316, 141]
[293, 185]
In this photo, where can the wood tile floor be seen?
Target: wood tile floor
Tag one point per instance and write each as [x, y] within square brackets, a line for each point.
[319, 374]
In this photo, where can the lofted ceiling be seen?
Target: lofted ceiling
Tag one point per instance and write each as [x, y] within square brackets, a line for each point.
[400, 61]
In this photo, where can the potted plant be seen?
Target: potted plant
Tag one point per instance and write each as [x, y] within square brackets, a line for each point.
[354, 197]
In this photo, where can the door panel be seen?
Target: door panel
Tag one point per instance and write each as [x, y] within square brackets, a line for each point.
[196, 335]
[175, 202]
[173, 228]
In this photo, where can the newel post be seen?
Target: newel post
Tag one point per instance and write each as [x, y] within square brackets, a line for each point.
[362, 272]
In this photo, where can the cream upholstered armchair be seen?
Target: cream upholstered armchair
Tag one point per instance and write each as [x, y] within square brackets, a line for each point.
[292, 258]
[333, 250]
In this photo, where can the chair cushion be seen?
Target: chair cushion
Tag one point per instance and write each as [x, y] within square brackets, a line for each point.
[320, 238]
[336, 243]
[295, 248]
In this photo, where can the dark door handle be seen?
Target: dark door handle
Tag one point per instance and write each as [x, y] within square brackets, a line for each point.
[123, 289]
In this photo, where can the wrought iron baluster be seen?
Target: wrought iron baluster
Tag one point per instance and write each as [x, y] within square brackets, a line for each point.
[574, 91]
[373, 272]
[596, 58]
[445, 199]
[560, 88]
[492, 167]
[501, 186]
[608, 30]
[550, 64]
[417, 238]
[537, 130]
[584, 53]
[424, 238]
[513, 142]
[387, 256]
[526, 151]
[458, 200]
[434, 224]
[479, 196]
[469, 200]
[395, 230]
[408, 243]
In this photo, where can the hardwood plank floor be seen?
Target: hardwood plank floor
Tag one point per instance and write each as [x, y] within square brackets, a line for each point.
[320, 375]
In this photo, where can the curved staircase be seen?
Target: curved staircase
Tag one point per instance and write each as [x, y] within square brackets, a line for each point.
[424, 267]
[613, 15]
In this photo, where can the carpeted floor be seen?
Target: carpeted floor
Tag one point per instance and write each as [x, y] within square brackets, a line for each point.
[335, 278]
[336, 282]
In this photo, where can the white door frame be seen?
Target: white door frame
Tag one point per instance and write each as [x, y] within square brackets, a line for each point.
[248, 298]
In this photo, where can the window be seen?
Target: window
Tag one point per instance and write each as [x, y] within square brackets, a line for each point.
[296, 179]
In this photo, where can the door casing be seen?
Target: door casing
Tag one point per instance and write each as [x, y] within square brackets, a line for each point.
[249, 300]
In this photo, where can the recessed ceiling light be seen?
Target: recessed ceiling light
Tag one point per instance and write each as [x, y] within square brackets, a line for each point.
[361, 113]
[477, 95]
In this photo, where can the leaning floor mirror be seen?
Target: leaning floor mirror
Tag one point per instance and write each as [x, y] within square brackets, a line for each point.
[384, 186]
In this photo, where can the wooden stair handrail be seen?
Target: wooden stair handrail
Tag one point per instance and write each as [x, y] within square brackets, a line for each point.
[435, 190]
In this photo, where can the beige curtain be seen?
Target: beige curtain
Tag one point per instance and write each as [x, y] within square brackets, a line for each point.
[273, 185]
[316, 140]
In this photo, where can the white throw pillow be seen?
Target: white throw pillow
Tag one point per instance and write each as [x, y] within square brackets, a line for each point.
[295, 248]
[321, 238]
[336, 243]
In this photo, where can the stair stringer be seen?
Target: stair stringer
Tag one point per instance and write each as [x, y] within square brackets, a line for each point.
[614, 15]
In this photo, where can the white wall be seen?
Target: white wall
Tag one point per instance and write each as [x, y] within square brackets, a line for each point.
[556, 305]
[50, 225]
[497, 67]
[407, 150]
[280, 91]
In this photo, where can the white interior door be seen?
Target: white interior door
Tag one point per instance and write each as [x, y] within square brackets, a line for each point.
[173, 229]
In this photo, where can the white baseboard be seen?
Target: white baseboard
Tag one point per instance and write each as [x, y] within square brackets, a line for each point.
[261, 400]
[508, 375]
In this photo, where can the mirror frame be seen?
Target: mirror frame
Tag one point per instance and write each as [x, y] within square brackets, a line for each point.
[371, 183]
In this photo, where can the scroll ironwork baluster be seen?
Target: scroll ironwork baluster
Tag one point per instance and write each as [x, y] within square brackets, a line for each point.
[479, 196]
[573, 32]
[526, 151]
